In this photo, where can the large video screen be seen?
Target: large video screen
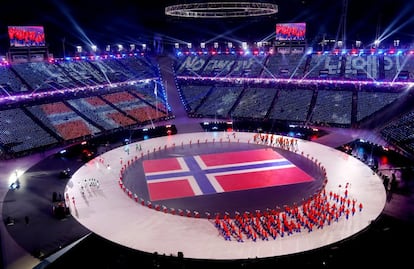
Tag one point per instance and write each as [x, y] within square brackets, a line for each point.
[26, 36]
[291, 31]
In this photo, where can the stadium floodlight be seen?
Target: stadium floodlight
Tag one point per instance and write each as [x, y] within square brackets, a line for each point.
[221, 9]
[396, 43]
[94, 48]
[79, 49]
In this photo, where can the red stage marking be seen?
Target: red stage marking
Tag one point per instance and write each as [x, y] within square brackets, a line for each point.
[170, 189]
[240, 157]
[161, 165]
[262, 179]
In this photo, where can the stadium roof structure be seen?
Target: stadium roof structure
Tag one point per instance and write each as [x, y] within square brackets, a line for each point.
[221, 9]
[68, 25]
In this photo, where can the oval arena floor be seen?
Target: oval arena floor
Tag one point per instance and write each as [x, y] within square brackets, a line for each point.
[114, 209]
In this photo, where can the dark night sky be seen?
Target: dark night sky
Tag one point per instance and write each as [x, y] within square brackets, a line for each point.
[103, 22]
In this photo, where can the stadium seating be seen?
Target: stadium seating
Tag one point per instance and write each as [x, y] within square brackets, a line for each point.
[71, 99]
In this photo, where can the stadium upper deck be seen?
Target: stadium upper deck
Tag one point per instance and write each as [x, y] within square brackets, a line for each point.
[76, 98]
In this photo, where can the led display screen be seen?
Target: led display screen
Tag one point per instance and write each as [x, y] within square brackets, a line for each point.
[26, 36]
[290, 31]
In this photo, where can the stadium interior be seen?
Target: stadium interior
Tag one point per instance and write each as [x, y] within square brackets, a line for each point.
[74, 108]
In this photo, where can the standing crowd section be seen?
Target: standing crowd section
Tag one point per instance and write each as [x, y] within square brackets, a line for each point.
[44, 104]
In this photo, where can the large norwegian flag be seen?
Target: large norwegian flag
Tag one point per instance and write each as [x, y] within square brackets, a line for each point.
[222, 172]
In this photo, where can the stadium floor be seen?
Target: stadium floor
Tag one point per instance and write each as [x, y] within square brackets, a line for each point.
[111, 213]
[107, 212]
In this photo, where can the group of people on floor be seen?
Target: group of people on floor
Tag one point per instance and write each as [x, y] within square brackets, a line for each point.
[321, 210]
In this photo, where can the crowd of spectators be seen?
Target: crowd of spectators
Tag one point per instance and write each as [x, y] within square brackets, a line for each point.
[325, 89]
[50, 102]
[118, 92]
